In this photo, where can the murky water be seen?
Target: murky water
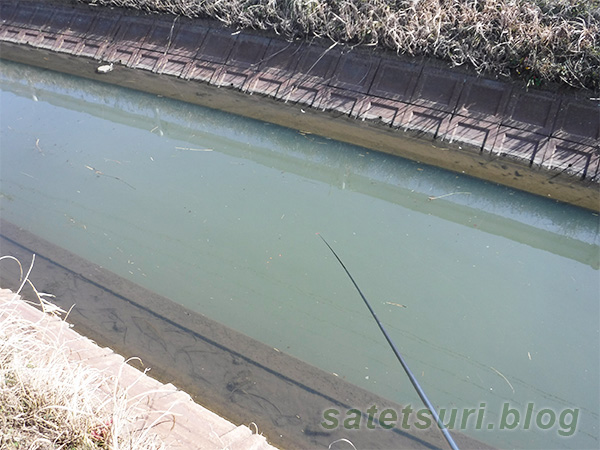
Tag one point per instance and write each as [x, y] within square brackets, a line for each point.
[492, 295]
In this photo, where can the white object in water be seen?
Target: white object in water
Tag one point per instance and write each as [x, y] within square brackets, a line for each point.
[105, 68]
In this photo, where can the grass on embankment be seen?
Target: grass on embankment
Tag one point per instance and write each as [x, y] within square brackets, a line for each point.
[540, 41]
[48, 401]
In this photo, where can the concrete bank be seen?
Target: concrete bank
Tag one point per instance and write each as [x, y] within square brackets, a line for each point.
[545, 142]
[184, 424]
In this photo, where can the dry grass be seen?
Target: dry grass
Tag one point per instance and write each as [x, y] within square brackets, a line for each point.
[48, 401]
[539, 41]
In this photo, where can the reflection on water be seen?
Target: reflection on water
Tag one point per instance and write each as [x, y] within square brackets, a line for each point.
[219, 213]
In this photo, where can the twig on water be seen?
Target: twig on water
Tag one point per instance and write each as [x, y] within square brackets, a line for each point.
[395, 304]
[435, 197]
[98, 172]
[194, 149]
[37, 145]
[505, 379]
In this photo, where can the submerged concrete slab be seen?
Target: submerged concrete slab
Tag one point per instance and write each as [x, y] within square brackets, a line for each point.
[570, 158]
[341, 100]
[266, 83]
[519, 144]
[304, 91]
[232, 374]
[373, 133]
[382, 110]
[174, 65]
[204, 71]
[421, 119]
[476, 133]
[233, 77]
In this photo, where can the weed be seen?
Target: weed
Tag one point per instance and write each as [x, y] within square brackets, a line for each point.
[539, 41]
[49, 401]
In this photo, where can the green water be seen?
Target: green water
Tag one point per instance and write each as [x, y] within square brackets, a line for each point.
[220, 213]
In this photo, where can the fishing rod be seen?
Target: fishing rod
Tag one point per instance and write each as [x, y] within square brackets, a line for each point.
[412, 378]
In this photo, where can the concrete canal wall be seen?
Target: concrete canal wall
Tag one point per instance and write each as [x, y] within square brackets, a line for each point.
[494, 130]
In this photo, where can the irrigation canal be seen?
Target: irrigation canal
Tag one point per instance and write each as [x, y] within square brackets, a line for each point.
[491, 294]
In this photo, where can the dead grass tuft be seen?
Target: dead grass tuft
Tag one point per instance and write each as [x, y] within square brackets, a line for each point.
[535, 40]
[48, 401]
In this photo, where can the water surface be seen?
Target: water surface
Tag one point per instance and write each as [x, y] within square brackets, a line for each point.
[491, 294]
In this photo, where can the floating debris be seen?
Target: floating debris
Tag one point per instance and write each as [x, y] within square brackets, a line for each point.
[98, 173]
[105, 68]
[505, 379]
[37, 145]
[395, 304]
[194, 149]
[433, 197]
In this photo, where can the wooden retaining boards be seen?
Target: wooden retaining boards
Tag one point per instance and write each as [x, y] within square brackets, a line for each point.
[553, 133]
